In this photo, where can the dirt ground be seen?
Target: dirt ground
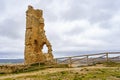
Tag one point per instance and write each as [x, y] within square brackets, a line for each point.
[46, 71]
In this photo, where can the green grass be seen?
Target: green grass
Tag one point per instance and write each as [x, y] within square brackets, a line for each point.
[111, 72]
[111, 64]
[36, 67]
[83, 74]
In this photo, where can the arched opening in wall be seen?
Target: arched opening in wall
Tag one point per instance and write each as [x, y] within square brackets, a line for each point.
[45, 49]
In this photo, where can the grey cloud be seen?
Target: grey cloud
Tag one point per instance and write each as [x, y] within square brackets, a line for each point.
[2, 5]
[59, 54]
[94, 10]
[50, 16]
[12, 22]
[45, 4]
[106, 24]
[113, 38]
[48, 12]
[75, 31]
[11, 55]
[10, 28]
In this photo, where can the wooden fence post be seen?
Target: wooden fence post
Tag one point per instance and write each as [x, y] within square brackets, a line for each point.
[39, 64]
[70, 62]
[107, 58]
[55, 61]
[87, 61]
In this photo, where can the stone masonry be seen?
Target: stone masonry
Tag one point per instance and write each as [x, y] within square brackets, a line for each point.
[35, 38]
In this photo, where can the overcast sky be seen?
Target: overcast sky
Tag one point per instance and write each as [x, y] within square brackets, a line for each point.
[73, 27]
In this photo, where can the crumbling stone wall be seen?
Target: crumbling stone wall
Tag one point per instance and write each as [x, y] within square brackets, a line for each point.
[35, 37]
[12, 68]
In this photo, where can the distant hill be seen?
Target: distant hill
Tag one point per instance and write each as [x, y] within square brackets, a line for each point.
[7, 61]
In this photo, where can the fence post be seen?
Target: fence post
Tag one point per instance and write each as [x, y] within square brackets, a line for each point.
[70, 62]
[39, 64]
[55, 61]
[107, 58]
[87, 61]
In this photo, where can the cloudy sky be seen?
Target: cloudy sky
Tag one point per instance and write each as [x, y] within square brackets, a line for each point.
[74, 27]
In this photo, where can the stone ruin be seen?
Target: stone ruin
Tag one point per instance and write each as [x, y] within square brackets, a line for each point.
[35, 38]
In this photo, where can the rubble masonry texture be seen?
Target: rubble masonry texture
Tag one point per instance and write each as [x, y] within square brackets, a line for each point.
[35, 38]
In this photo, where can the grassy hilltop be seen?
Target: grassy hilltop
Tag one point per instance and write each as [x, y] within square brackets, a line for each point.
[105, 71]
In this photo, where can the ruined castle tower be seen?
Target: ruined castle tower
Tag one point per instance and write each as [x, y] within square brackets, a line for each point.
[35, 38]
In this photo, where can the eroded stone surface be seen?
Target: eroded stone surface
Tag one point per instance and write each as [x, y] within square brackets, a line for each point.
[35, 37]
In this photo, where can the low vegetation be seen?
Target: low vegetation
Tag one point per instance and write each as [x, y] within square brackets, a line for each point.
[37, 66]
[29, 68]
[109, 71]
[111, 64]
[81, 74]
